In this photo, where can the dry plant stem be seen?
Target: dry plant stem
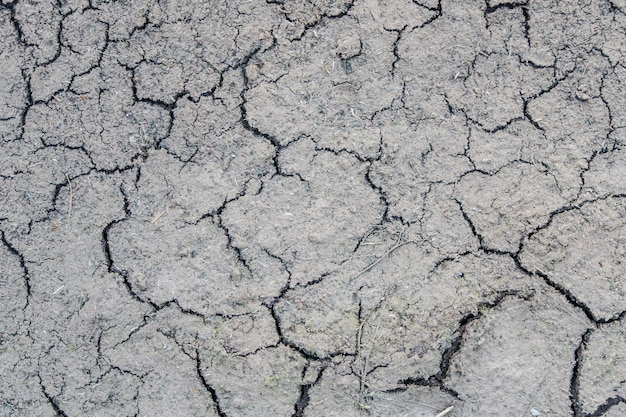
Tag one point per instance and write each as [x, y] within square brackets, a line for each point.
[366, 357]
[377, 261]
[363, 370]
[69, 204]
[158, 216]
[446, 411]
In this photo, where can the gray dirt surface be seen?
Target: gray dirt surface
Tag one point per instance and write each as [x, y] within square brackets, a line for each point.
[313, 208]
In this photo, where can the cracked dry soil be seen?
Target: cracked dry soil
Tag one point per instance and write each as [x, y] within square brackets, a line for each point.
[313, 208]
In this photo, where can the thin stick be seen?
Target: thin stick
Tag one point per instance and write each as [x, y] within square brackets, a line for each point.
[446, 411]
[69, 204]
[158, 216]
[377, 261]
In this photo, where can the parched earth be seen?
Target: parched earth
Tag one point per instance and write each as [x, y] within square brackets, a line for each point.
[321, 208]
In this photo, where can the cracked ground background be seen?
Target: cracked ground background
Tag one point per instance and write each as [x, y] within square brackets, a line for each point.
[325, 208]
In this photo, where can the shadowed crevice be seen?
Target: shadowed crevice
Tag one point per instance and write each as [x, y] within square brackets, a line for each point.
[53, 402]
[574, 387]
[304, 398]
[25, 273]
[212, 392]
[438, 379]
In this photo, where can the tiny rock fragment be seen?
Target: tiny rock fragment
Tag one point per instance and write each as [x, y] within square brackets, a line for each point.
[349, 47]
[235, 275]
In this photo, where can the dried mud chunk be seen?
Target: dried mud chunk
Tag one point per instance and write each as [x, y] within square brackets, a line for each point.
[443, 225]
[322, 319]
[159, 82]
[604, 366]
[583, 251]
[517, 344]
[606, 175]
[429, 66]
[568, 29]
[206, 134]
[199, 187]
[574, 129]
[123, 18]
[111, 133]
[395, 15]
[349, 47]
[28, 184]
[520, 140]
[414, 157]
[405, 333]
[167, 260]
[85, 35]
[312, 224]
[319, 97]
[266, 383]
[39, 23]
[339, 393]
[504, 207]
[493, 93]
[168, 378]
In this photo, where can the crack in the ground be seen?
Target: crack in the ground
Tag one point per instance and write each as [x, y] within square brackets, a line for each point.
[515, 256]
[25, 273]
[303, 400]
[304, 352]
[574, 387]
[438, 379]
[106, 247]
[348, 5]
[437, 10]
[51, 400]
[605, 406]
[211, 390]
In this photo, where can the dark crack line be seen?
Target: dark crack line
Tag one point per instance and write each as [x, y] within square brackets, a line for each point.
[574, 386]
[438, 12]
[20, 257]
[111, 267]
[285, 267]
[606, 406]
[438, 379]
[569, 296]
[311, 25]
[479, 236]
[283, 340]
[53, 403]
[515, 256]
[212, 392]
[304, 398]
